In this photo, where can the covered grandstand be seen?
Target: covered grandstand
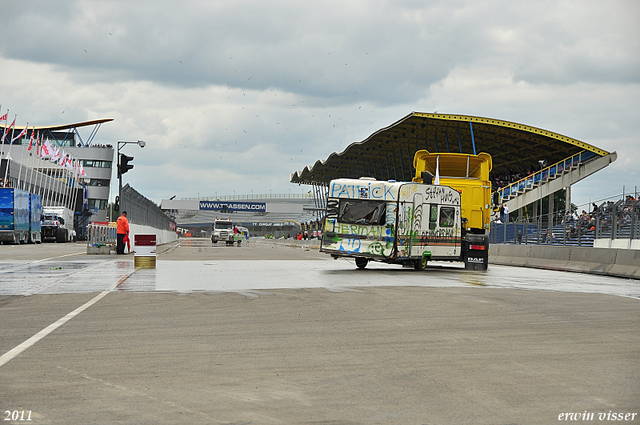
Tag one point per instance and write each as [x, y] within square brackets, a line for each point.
[543, 161]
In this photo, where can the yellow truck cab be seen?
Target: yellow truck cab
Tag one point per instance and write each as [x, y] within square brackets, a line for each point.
[466, 173]
[469, 175]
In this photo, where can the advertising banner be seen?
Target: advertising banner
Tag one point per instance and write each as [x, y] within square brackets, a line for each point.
[233, 206]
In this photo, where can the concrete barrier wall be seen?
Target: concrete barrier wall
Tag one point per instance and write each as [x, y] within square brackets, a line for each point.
[604, 261]
[617, 243]
[162, 236]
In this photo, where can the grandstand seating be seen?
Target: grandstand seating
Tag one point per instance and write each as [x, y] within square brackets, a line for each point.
[625, 228]
[534, 235]
[543, 176]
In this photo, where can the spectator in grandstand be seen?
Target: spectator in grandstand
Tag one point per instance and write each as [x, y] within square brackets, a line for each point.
[506, 213]
[549, 237]
[568, 218]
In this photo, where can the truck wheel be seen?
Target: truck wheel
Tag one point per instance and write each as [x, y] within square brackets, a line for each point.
[361, 262]
[420, 264]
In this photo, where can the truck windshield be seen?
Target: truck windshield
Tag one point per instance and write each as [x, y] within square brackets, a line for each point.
[355, 211]
[225, 225]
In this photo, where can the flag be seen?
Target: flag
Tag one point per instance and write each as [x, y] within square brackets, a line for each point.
[38, 144]
[55, 154]
[31, 140]
[6, 131]
[436, 181]
[4, 117]
[46, 149]
[82, 173]
[22, 133]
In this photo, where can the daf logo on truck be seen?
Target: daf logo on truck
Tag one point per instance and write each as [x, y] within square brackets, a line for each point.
[414, 222]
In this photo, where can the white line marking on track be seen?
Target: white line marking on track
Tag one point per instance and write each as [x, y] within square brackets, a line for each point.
[13, 353]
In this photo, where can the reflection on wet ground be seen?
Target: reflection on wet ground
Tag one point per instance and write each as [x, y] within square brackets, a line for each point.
[249, 276]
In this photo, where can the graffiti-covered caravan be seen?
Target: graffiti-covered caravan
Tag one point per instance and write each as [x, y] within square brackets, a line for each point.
[393, 222]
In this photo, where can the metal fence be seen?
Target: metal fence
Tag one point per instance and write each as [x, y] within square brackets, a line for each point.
[619, 220]
[101, 234]
[144, 212]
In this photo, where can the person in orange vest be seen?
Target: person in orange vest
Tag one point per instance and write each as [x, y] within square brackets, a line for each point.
[122, 230]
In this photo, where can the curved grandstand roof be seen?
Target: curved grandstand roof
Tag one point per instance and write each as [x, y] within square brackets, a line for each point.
[61, 126]
[388, 153]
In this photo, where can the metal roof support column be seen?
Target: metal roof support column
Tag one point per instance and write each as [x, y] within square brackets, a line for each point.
[395, 173]
[325, 195]
[435, 138]
[446, 139]
[404, 178]
[459, 140]
[386, 160]
[315, 197]
[381, 170]
[473, 140]
[364, 172]
[410, 162]
[369, 167]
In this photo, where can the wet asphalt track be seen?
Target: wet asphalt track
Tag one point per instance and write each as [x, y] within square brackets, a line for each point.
[279, 333]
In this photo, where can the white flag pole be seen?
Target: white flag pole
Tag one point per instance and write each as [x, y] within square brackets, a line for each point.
[20, 184]
[5, 133]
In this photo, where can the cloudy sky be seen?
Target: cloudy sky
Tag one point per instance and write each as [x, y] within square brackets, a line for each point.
[233, 96]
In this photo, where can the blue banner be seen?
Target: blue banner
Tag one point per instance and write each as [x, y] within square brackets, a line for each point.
[233, 206]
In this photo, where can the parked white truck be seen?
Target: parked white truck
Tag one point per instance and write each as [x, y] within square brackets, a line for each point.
[57, 224]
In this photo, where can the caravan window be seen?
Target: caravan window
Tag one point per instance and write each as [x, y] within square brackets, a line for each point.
[447, 216]
[355, 211]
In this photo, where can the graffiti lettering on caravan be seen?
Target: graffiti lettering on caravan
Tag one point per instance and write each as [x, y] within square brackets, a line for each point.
[332, 208]
[440, 236]
[350, 245]
[355, 230]
[441, 194]
[378, 248]
[362, 191]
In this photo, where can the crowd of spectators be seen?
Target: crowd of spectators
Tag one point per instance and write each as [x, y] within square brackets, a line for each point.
[586, 221]
[500, 180]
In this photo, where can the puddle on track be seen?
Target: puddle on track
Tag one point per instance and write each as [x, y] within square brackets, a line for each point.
[56, 277]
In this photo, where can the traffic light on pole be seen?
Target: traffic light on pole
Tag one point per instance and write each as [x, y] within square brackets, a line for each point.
[124, 164]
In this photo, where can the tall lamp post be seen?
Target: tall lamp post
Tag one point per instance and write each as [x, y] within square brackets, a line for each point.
[124, 166]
